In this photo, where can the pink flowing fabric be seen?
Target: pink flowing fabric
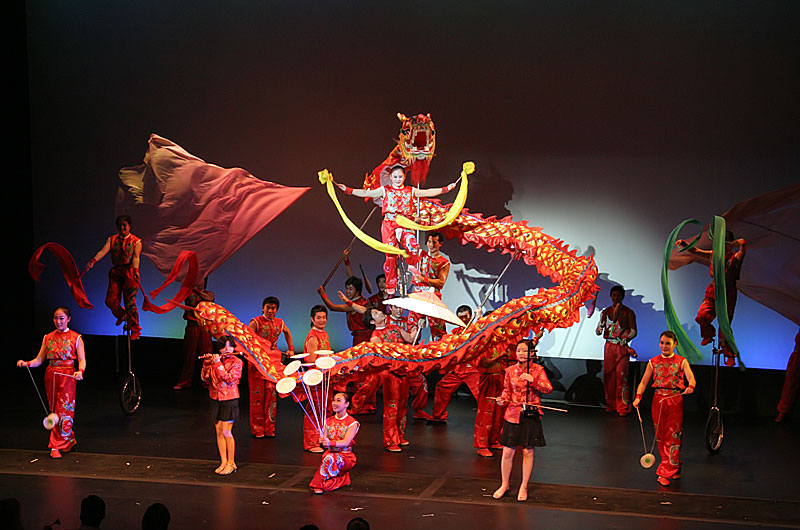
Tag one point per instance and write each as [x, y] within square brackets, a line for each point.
[179, 202]
[770, 223]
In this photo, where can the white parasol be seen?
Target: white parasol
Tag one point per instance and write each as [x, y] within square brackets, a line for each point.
[426, 303]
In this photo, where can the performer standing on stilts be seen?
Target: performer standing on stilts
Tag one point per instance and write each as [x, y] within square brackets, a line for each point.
[523, 385]
[222, 371]
[618, 326]
[61, 348]
[263, 397]
[668, 371]
[707, 311]
[123, 278]
[397, 199]
[316, 339]
[338, 440]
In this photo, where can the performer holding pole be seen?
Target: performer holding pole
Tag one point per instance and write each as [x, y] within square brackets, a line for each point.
[61, 348]
[123, 278]
[397, 199]
[338, 440]
[668, 371]
[523, 383]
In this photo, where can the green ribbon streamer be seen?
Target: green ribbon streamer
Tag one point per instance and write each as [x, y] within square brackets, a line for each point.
[685, 344]
[716, 231]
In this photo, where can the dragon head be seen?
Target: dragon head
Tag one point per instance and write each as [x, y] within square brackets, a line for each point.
[417, 137]
[414, 150]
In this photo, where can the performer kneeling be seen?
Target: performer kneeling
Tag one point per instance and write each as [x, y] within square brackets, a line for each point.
[61, 348]
[222, 371]
[522, 426]
[667, 371]
[338, 440]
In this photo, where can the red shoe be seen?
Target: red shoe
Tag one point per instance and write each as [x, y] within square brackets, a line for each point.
[780, 418]
[404, 442]
[496, 446]
[664, 481]
[55, 453]
[706, 341]
[70, 446]
[484, 452]
[421, 415]
[317, 491]
[393, 449]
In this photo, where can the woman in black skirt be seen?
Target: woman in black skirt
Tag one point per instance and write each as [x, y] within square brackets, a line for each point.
[222, 371]
[523, 384]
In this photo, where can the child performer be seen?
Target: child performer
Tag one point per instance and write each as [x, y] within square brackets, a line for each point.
[338, 441]
[222, 371]
[667, 371]
[123, 278]
[522, 426]
[317, 339]
[263, 398]
[62, 348]
[397, 199]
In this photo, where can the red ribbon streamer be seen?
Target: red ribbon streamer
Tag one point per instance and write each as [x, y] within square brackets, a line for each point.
[68, 267]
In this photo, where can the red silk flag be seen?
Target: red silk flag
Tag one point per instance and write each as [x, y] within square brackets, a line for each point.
[180, 202]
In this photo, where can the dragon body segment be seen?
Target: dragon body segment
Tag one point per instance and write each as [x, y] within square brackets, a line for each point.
[555, 307]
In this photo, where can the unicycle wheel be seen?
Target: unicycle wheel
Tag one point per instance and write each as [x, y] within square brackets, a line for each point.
[130, 395]
[715, 430]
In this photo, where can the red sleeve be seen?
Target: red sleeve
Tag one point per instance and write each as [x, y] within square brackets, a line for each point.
[541, 381]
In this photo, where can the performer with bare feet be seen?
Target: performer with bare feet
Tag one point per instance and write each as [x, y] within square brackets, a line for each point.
[523, 385]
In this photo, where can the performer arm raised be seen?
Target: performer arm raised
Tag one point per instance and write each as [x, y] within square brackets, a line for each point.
[433, 192]
[360, 192]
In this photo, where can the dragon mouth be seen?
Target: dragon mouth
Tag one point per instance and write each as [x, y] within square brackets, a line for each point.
[419, 143]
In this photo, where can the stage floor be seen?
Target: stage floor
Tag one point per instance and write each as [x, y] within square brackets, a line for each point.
[588, 476]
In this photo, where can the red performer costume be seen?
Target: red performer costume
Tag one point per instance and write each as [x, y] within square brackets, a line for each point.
[263, 397]
[792, 382]
[317, 339]
[123, 278]
[707, 311]
[397, 199]
[516, 390]
[432, 272]
[222, 377]
[61, 352]
[196, 341]
[466, 373]
[618, 326]
[395, 394]
[668, 371]
[417, 383]
[61, 348]
[337, 461]
[489, 419]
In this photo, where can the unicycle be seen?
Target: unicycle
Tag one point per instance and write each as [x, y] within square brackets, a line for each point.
[715, 430]
[130, 395]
